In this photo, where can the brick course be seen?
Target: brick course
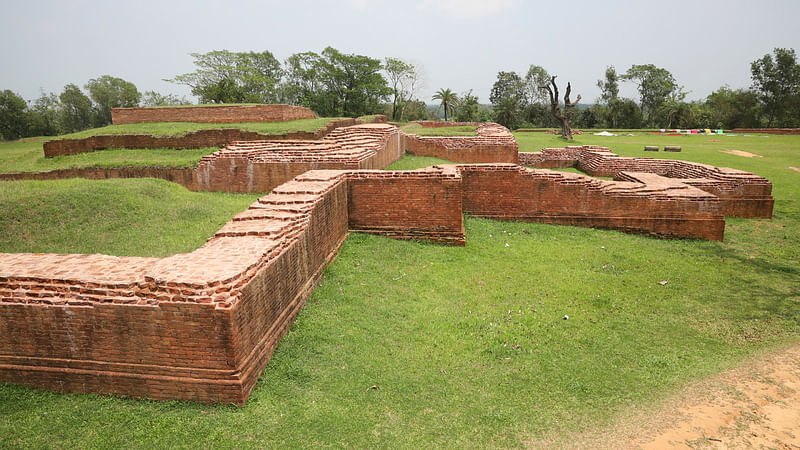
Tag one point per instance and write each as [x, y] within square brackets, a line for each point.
[743, 194]
[211, 114]
[493, 143]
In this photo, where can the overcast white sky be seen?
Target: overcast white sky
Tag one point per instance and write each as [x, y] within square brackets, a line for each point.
[460, 44]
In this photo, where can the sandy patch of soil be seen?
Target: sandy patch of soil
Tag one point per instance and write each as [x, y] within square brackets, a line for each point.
[753, 406]
[757, 406]
[741, 153]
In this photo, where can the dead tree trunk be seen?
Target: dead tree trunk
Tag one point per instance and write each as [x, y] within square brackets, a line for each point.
[555, 108]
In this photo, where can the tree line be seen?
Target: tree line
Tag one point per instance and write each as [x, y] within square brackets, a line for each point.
[773, 99]
[333, 83]
[74, 109]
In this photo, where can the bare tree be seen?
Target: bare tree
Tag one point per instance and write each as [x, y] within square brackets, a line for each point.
[555, 108]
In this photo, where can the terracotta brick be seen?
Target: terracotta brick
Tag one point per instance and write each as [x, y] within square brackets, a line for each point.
[202, 326]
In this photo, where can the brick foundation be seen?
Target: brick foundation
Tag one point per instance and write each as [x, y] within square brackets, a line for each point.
[202, 326]
[211, 114]
[493, 143]
[743, 194]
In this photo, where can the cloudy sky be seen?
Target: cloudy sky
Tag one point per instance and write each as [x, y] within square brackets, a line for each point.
[460, 44]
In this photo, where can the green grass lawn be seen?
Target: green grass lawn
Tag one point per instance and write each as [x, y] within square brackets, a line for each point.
[415, 128]
[175, 128]
[123, 217]
[467, 346]
[27, 156]
[411, 162]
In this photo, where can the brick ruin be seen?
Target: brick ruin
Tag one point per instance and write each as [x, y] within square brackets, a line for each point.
[202, 326]
[742, 194]
[211, 114]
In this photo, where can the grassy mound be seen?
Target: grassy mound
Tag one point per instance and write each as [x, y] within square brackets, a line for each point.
[175, 128]
[123, 217]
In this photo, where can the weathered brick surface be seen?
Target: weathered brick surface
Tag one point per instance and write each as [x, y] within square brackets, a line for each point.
[662, 207]
[195, 139]
[493, 143]
[201, 326]
[259, 166]
[212, 114]
[743, 194]
[417, 204]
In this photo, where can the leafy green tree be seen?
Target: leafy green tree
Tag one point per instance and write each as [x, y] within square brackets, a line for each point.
[302, 80]
[676, 113]
[335, 84]
[43, 116]
[353, 83]
[153, 98]
[448, 100]
[468, 108]
[536, 76]
[609, 87]
[228, 77]
[655, 86]
[627, 113]
[403, 79]
[589, 117]
[417, 110]
[76, 109]
[508, 97]
[538, 115]
[609, 96]
[13, 123]
[730, 108]
[777, 82]
[111, 92]
[508, 85]
[507, 112]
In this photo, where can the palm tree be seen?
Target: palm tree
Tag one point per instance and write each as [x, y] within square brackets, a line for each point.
[449, 100]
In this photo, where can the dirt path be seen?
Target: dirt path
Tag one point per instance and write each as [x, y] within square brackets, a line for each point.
[741, 153]
[753, 406]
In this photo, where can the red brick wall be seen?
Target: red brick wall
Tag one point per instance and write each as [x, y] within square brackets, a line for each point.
[743, 194]
[423, 204]
[211, 114]
[493, 143]
[513, 193]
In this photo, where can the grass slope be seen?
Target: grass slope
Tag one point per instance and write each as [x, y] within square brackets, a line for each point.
[123, 217]
[27, 156]
[411, 162]
[467, 346]
[174, 128]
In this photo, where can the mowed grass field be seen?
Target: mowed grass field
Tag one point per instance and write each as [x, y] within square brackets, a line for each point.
[409, 344]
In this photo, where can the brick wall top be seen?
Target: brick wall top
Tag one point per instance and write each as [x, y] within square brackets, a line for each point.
[487, 134]
[211, 114]
[348, 144]
[602, 161]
